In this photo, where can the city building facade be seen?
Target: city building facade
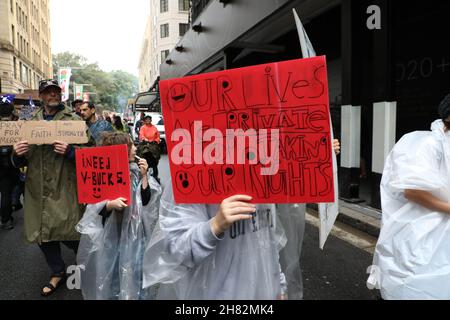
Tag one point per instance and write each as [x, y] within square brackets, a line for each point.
[387, 70]
[167, 23]
[25, 44]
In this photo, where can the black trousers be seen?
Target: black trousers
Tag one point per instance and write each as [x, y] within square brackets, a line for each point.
[152, 163]
[18, 190]
[52, 253]
[8, 180]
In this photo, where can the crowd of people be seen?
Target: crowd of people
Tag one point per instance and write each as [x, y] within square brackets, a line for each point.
[51, 208]
[154, 248]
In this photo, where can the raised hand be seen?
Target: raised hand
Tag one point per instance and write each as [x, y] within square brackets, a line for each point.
[232, 209]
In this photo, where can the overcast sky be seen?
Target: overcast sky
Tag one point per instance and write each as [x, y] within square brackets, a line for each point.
[109, 32]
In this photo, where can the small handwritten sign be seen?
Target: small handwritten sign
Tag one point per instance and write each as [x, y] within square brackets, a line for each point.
[42, 132]
[103, 173]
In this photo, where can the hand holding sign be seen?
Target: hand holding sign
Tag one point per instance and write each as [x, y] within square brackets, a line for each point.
[61, 147]
[118, 205]
[21, 148]
[336, 146]
[232, 209]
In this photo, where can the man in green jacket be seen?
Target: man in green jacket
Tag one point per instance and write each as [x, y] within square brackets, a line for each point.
[51, 206]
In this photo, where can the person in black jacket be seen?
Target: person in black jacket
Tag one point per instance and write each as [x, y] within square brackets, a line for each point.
[8, 174]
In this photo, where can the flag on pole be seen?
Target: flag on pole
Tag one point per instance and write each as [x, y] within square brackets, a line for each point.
[328, 212]
[64, 75]
[78, 92]
[306, 45]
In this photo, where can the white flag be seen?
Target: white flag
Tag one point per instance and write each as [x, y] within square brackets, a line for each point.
[328, 212]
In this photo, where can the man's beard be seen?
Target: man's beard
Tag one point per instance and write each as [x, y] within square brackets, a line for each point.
[54, 104]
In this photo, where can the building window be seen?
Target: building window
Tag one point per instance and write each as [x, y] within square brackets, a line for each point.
[12, 6]
[164, 55]
[164, 5]
[13, 34]
[164, 30]
[20, 71]
[15, 68]
[183, 5]
[24, 75]
[184, 27]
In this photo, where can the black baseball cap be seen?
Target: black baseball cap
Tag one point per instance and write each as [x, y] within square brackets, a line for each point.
[44, 84]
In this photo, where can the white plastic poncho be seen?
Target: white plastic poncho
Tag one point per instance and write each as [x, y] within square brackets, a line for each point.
[190, 262]
[412, 257]
[111, 255]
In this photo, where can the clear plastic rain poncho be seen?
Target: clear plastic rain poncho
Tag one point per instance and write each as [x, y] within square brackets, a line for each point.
[190, 262]
[412, 257]
[111, 254]
[292, 218]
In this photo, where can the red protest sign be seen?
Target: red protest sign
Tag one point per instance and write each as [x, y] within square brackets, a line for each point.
[262, 131]
[103, 173]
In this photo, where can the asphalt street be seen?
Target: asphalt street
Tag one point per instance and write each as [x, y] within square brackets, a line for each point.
[338, 272]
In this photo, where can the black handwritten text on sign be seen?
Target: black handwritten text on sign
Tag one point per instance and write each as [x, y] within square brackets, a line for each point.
[103, 174]
[262, 131]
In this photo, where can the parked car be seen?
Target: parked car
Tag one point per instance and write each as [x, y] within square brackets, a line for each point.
[158, 122]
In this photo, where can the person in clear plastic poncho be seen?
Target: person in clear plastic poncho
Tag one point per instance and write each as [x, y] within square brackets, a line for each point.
[226, 251]
[113, 235]
[412, 257]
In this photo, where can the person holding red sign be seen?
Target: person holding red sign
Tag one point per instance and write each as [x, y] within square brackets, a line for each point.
[226, 251]
[114, 234]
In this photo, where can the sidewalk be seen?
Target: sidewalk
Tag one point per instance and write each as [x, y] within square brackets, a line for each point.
[356, 224]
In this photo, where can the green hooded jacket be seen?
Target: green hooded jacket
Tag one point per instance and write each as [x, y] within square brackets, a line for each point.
[51, 208]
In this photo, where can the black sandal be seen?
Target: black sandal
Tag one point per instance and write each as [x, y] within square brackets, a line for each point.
[62, 278]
